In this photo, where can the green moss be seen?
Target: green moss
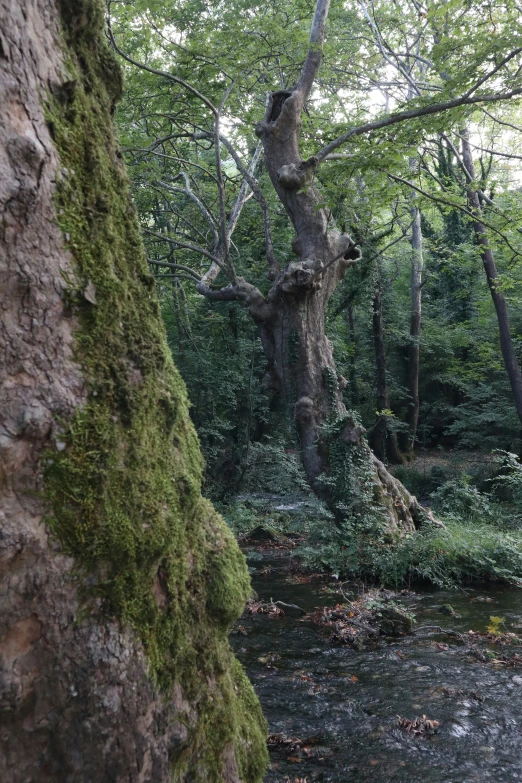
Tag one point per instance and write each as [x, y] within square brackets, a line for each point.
[357, 498]
[124, 480]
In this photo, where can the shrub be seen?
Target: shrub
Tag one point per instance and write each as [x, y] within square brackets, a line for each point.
[460, 498]
[462, 552]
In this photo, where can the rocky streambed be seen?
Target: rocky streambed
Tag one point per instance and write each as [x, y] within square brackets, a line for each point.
[430, 690]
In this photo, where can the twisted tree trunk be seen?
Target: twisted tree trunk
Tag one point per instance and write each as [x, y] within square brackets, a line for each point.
[119, 582]
[337, 460]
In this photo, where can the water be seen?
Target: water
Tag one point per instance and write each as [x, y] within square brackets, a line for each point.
[344, 704]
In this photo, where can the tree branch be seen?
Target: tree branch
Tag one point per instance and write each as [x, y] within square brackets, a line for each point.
[179, 267]
[188, 192]
[314, 54]
[189, 246]
[155, 71]
[410, 114]
[495, 70]
[248, 176]
[451, 204]
[224, 235]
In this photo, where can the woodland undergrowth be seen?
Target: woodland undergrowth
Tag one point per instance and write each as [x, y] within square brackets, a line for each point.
[481, 540]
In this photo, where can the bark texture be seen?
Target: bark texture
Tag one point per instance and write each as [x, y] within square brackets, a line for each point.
[118, 581]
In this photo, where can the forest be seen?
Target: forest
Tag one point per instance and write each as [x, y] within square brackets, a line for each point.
[403, 153]
[260, 391]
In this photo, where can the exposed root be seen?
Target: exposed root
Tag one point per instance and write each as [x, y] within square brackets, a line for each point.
[404, 508]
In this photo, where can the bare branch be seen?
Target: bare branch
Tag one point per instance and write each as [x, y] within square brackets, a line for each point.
[227, 294]
[314, 54]
[189, 246]
[179, 267]
[244, 192]
[380, 43]
[211, 274]
[224, 236]
[410, 114]
[149, 151]
[164, 74]
[272, 261]
[188, 192]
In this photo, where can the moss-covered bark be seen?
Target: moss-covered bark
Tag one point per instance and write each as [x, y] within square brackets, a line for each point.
[122, 475]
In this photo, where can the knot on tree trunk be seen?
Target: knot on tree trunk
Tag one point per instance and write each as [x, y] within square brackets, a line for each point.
[296, 176]
[352, 432]
[348, 250]
[302, 276]
[305, 410]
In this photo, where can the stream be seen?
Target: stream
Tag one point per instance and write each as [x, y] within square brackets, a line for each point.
[342, 704]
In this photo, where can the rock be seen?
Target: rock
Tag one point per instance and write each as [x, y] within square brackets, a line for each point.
[448, 610]
[261, 533]
[393, 621]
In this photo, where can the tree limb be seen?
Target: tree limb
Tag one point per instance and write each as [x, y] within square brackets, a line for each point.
[314, 54]
[155, 71]
[179, 267]
[410, 114]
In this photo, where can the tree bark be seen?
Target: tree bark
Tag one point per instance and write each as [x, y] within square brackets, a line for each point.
[119, 582]
[488, 260]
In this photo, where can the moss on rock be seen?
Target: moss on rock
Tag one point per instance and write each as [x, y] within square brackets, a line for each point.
[124, 482]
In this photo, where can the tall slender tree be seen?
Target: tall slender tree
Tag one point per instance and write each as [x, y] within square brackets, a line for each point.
[490, 268]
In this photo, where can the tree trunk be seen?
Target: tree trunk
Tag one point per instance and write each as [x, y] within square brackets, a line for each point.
[412, 417]
[352, 362]
[119, 582]
[338, 462]
[383, 441]
[380, 430]
[488, 260]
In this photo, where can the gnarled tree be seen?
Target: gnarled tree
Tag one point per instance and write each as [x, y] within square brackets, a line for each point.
[290, 313]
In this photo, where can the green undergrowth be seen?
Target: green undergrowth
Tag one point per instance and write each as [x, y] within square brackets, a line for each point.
[463, 552]
[124, 478]
[482, 539]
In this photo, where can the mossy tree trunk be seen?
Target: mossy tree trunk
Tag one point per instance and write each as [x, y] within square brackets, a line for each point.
[119, 582]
